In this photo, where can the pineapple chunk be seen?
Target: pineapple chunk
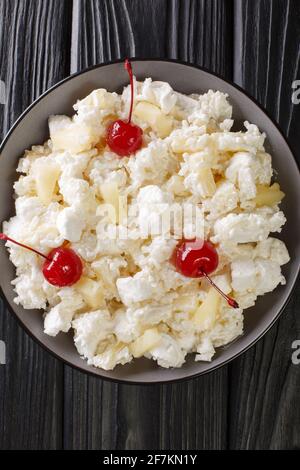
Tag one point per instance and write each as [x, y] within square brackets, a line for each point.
[152, 115]
[207, 182]
[110, 194]
[46, 175]
[69, 135]
[91, 291]
[163, 125]
[268, 195]
[205, 316]
[149, 339]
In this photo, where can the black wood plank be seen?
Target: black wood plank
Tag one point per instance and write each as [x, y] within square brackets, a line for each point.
[197, 31]
[102, 415]
[265, 385]
[34, 54]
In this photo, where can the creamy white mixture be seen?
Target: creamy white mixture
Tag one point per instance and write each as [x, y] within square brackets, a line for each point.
[130, 301]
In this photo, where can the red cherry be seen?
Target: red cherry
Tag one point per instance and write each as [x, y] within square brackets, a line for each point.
[191, 256]
[123, 137]
[198, 258]
[62, 266]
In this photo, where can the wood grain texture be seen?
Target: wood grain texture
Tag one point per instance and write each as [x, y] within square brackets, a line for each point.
[34, 54]
[265, 385]
[180, 416]
[198, 31]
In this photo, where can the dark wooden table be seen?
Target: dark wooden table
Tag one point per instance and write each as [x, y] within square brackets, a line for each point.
[253, 403]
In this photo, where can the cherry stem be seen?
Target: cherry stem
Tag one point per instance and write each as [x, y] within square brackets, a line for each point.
[5, 237]
[231, 302]
[128, 67]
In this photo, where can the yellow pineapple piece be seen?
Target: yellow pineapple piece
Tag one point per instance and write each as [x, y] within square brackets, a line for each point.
[46, 175]
[268, 195]
[110, 194]
[69, 135]
[206, 179]
[205, 315]
[152, 115]
[163, 125]
[149, 339]
[91, 291]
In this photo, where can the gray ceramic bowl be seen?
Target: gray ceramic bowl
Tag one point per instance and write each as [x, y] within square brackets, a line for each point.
[31, 128]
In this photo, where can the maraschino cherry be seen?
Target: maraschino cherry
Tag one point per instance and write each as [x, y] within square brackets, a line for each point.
[123, 137]
[198, 258]
[62, 266]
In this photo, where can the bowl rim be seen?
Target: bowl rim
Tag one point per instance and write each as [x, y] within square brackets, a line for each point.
[280, 311]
